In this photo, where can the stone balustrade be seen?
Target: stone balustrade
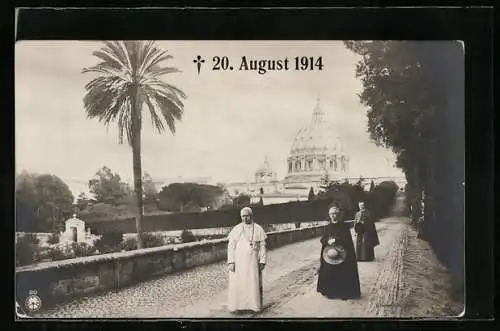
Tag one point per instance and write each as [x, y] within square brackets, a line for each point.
[62, 280]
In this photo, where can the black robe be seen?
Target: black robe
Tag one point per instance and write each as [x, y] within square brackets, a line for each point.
[366, 240]
[341, 280]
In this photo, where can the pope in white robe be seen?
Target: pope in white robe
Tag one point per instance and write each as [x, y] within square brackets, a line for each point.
[246, 257]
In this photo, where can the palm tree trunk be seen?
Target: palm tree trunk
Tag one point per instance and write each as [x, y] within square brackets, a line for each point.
[136, 156]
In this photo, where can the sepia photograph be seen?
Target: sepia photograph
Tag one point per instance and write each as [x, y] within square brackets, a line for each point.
[239, 179]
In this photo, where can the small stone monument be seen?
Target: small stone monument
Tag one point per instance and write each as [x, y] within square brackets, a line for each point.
[75, 230]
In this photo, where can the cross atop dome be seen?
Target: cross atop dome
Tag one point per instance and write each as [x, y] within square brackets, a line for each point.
[318, 114]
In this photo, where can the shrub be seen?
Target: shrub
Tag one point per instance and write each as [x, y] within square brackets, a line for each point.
[129, 244]
[26, 249]
[187, 236]
[171, 240]
[110, 241]
[82, 249]
[151, 240]
[213, 236]
[55, 254]
[268, 227]
[104, 249]
[53, 238]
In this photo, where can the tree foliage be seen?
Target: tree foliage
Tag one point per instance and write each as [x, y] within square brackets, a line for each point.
[180, 197]
[42, 202]
[343, 194]
[83, 201]
[381, 199]
[404, 91]
[414, 95]
[107, 187]
[242, 200]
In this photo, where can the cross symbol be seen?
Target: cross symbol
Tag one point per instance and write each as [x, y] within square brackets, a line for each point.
[198, 62]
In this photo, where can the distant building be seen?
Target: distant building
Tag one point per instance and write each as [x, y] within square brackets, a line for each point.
[316, 151]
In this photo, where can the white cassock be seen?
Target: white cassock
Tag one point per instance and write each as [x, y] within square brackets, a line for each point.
[245, 282]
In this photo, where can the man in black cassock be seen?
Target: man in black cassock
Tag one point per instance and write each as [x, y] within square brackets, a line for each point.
[366, 234]
[339, 280]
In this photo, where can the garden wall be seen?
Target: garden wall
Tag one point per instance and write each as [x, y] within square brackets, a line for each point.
[62, 280]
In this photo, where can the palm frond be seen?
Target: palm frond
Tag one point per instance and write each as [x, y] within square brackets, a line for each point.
[105, 97]
[145, 53]
[128, 67]
[154, 73]
[168, 91]
[169, 110]
[155, 118]
[168, 87]
[153, 59]
[111, 60]
[115, 48]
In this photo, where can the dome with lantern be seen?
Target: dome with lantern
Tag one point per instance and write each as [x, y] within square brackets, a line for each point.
[316, 150]
[264, 173]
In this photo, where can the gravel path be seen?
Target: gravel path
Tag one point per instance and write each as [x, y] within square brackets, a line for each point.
[374, 279]
[168, 295]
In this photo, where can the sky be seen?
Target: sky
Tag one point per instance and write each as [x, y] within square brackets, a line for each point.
[232, 119]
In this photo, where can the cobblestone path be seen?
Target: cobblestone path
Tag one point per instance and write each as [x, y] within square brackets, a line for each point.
[168, 295]
[289, 279]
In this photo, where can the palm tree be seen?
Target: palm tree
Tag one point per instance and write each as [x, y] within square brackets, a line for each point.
[128, 81]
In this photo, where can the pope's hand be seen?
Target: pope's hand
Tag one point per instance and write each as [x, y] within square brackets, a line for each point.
[331, 241]
[231, 267]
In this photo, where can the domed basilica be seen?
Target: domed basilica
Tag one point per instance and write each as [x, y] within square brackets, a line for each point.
[316, 151]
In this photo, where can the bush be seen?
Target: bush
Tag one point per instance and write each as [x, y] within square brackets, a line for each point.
[110, 241]
[104, 249]
[212, 237]
[56, 254]
[129, 244]
[82, 249]
[151, 240]
[268, 228]
[171, 241]
[187, 236]
[53, 238]
[26, 249]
